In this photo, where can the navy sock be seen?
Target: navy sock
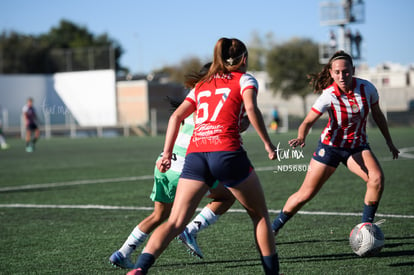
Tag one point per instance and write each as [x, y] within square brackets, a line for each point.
[270, 264]
[280, 221]
[145, 261]
[369, 211]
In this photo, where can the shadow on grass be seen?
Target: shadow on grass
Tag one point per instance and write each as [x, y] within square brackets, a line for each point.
[317, 258]
[311, 241]
[348, 256]
[389, 245]
[402, 264]
[345, 240]
[386, 254]
[233, 263]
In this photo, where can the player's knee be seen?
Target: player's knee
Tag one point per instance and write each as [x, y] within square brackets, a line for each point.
[175, 227]
[256, 215]
[376, 181]
[160, 216]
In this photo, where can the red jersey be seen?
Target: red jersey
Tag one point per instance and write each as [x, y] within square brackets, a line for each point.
[348, 113]
[220, 107]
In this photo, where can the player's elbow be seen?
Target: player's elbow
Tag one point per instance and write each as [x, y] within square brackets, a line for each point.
[252, 111]
[176, 118]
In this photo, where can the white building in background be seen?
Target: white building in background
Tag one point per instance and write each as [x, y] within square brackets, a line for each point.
[386, 75]
[88, 96]
[95, 99]
[395, 84]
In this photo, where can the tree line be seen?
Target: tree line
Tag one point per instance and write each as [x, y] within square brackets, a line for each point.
[69, 44]
[287, 63]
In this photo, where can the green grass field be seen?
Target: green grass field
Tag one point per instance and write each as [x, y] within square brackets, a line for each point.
[66, 207]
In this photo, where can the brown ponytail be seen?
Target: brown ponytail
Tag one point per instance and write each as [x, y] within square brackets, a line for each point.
[323, 79]
[229, 55]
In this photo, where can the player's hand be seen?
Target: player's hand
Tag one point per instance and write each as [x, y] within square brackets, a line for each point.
[393, 150]
[271, 150]
[297, 142]
[163, 164]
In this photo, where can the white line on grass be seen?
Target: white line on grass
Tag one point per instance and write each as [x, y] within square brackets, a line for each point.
[109, 207]
[75, 182]
[92, 181]
[404, 153]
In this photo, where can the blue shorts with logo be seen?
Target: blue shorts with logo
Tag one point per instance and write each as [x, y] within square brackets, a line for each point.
[228, 167]
[332, 156]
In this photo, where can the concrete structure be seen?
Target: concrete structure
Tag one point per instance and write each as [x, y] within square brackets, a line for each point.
[140, 102]
[73, 102]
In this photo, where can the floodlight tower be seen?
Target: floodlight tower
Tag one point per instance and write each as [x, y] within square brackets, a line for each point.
[340, 14]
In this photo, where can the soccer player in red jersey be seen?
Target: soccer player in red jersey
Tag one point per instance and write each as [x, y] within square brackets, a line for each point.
[347, 100]
[163, 194]
[220, 99]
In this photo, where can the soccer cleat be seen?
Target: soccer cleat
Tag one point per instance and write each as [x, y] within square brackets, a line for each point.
[190, 242]
[117, 259]
[29, 149]
[137, 271]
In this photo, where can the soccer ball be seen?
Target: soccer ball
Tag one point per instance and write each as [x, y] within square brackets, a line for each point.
[366, 239]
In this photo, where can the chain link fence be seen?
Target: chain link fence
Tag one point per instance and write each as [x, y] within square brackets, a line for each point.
[57, 60]
[82, 59]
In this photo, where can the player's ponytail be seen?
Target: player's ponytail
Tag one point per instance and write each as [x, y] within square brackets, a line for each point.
[323, 79]
[193, 78]
[229, 55]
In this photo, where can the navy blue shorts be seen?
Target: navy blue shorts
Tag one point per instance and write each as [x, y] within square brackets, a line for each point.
[31, 126]
[228, 167]
[332, 156]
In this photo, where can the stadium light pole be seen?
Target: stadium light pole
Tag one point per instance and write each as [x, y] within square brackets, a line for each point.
[112, 57]
[1, 59]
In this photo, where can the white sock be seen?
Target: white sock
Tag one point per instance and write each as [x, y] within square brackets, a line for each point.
[205, 218]
[135, 239]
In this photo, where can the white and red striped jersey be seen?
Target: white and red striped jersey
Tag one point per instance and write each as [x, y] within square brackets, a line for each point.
[220, 107]
[348, 113]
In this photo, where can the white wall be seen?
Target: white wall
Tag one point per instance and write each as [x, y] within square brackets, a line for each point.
[16, 89]
[89, 96]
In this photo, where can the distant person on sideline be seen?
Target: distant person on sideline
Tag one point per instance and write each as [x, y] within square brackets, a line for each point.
[274, 124]
[32, 129]
[3, 143]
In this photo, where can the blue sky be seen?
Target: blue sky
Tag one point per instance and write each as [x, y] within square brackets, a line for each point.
[157, 33]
